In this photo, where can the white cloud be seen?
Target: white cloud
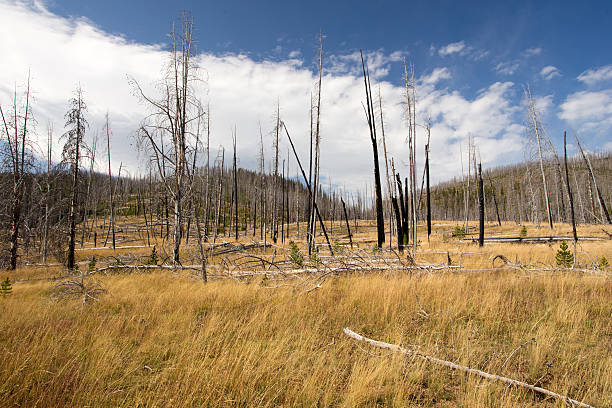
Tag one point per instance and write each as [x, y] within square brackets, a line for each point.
[544, 104]
[436, 75]
[452, 48]
[588, 111]
[507, 68]
[62, 53]
[593, 76]
[549, 72]
[350, 64]
[530, 52]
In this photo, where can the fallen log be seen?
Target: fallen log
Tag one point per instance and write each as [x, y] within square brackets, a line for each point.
[240, 247]
[110, 247]
[398, 349]
[533, 239]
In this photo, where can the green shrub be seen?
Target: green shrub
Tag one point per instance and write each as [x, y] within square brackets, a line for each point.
[338, 248]
[564, 256]
[295, 255]
[6, 288]
[153, 258]
[91, 266]
[523, 232]
[459, 231]
[603, 262]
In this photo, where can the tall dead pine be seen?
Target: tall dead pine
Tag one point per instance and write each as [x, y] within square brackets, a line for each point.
[480, 207]
[569, 193]
[380, 221]
[602, 205]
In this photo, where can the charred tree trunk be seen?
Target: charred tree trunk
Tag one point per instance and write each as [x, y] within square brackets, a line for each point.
[569, 193]
[428, 193]
[348, 227]
[316, 208]
[480, 207]
[380, 221]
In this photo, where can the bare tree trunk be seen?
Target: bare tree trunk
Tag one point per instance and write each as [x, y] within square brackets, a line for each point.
[495, 202]
[17, 149]
[348, 227]
[537, 129]
[75, 117]
[380, 222]
[428, 193]
[235, 187]
[331, 250]
[602, 205]
[89, 186]
[274, 200]
[569, 194]
[389, 194]
[47, 194]
[480, 207]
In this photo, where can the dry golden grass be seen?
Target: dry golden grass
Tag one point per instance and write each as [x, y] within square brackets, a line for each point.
[167, 339]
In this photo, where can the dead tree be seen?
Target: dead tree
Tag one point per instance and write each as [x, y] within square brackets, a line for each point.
[76, 124]
[275, 179]
[428, 181]
[602, 205]
[47, 193]
[480, 207]
[410, 95]
[569, 193]
[389, 194]
[16, 131]
[173, 116]
[110, 182]
[348, 227]
[309, 187]
[235, 186]
[92, 158]
[369, 110]
[536, 132]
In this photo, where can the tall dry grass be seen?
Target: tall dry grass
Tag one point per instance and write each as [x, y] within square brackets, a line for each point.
[163, 339]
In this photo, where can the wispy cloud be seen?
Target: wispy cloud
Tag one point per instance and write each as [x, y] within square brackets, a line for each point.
[596, 75]
[452, 48]
[549, 72]
[530, 52]
[378, 63]
[507, 68]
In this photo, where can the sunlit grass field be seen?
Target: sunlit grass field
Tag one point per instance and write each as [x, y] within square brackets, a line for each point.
[167, 339]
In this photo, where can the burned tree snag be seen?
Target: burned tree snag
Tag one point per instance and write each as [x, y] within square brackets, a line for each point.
[316, 208]
[480, 206]
[569, 193]
[427, 187]
[380, 221]
[602, 204]
[235, 188]
[348, 227]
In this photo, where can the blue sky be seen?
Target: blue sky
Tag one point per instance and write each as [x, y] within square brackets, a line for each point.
[472, 60]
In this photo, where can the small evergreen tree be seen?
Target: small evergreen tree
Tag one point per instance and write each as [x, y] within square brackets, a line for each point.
[153, 258]
[6, 288]
[295, 255]
[603, 262]
[523, 232]
[91, 266]
[564, 256]
[459, 231]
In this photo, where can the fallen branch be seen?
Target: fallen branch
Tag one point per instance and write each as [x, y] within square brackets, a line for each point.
[510, 381]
